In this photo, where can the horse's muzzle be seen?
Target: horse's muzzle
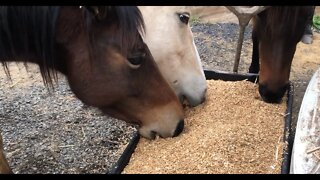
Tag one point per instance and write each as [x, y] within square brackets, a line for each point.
[270, 96]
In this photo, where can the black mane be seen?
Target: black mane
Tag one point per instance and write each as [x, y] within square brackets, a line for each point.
[28, 33]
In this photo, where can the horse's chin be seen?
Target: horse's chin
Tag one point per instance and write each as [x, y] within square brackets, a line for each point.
[115, 114]
[161, 121]
[151, 135]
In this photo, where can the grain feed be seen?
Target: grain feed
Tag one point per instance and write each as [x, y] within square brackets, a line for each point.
[233, 131]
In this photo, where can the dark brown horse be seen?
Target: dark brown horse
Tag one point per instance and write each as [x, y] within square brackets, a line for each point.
[102, 54]
[276, 32]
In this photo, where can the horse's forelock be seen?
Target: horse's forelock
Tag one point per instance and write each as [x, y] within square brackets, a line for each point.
[127, 19]
[282, 18]
[131, 24]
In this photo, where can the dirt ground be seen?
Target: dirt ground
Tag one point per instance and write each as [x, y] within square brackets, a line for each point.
[55, 133]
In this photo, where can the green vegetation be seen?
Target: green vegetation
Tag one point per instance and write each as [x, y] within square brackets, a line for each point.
[316, 21]
[194, 19]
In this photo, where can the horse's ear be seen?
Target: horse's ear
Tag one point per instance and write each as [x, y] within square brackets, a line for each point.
[93, 9]
[102, 12]
[98, 11]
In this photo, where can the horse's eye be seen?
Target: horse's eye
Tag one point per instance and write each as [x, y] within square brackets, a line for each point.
[136, 60]
[184, 18]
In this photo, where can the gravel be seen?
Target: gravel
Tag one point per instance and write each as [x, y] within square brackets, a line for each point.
[54, 132]
[217, 44]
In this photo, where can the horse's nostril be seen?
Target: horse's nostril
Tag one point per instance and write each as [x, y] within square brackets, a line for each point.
[179, 128]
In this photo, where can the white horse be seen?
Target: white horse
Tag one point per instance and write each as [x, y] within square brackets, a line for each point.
[170, 39]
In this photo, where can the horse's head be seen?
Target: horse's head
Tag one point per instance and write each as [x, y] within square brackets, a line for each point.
[169, 37]
[278, 29]
[110, 67]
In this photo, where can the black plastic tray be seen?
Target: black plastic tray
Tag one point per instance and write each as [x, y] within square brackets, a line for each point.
[226, 76]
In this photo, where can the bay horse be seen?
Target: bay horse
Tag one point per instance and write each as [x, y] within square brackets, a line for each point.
[170, 40]
[275, 35]
[103, 56]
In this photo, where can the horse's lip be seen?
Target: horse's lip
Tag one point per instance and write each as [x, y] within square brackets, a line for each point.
[184, 101]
